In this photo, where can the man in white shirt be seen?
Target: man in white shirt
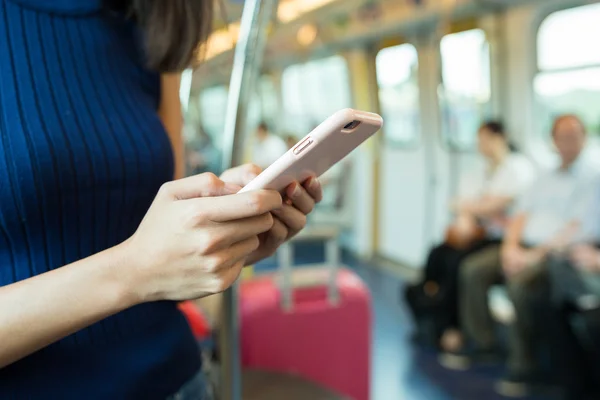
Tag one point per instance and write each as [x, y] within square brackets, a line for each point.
[548, 216]
[267, 147]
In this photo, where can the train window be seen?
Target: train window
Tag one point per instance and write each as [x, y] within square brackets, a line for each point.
[269, 99]
[213, 106]
[312, 92]
[397, 77]
[569, 68]
[465, 93]
[567, 38]
[255, 115]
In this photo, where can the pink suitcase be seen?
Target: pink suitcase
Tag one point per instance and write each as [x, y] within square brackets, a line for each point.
[315, 323]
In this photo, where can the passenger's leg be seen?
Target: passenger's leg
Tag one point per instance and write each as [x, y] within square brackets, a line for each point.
[568, 356]
[571, 365]
[453, 340]
[423, 298]
[589, 350]
[477, 274]
[450, 337]
[529, 293]
[573, 333]
[431, 301]
[525, 289]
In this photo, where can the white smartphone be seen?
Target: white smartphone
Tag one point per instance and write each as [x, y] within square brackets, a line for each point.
[318, 151]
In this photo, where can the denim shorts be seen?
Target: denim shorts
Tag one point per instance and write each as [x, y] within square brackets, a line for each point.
[194, 389]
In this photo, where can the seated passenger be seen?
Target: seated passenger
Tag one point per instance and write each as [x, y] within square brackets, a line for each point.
[547, 218]
[566, 309]
[290, 140]
[573, 294]
[267, 147]
[479, 223]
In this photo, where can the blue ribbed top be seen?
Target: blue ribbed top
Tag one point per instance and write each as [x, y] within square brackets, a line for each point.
[82, 155]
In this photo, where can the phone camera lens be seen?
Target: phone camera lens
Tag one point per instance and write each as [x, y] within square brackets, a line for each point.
[352, 125]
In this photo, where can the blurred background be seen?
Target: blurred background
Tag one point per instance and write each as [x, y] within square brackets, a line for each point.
[436, 70]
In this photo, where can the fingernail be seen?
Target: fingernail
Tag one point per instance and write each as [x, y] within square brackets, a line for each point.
[288, 202]
[314, 183]
[296, 192]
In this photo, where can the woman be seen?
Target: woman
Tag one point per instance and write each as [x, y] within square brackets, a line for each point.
[96, 245]
[480, 214]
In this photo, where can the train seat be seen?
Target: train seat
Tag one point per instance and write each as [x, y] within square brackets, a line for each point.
[328, 234]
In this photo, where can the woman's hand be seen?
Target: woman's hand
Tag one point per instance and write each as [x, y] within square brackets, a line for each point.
[196, 237]
[289, 219]
[190, 244]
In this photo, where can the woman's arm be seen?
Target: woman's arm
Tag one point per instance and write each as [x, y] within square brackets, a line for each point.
[514, 232]
[200, 255]
[171, 117]
[485, 207]
[39, 311]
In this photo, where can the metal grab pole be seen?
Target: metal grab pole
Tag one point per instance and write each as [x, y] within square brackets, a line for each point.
[247, 63]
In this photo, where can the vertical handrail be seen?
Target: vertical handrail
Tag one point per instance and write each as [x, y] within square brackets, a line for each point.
[286, 259]
[334, 258]
[247, 63]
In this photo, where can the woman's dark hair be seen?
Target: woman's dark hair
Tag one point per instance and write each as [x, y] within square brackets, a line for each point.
[263, 126]
[497, 128]
[494, 127]
[173, 29]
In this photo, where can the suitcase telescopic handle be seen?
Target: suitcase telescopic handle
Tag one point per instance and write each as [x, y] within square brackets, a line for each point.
[332, 262]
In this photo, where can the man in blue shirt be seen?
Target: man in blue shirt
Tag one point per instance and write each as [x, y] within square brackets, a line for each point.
[568, 310]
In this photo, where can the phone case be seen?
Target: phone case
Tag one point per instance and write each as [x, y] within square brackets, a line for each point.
[318, 151]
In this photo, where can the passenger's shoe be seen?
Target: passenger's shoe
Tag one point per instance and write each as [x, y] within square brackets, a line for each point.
[522, 384]
[463, 360]
[513, 385]
[452, 340]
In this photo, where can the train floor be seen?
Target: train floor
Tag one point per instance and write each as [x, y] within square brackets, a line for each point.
[400, 370]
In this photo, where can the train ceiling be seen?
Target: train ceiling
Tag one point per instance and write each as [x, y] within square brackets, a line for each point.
[303, 28]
